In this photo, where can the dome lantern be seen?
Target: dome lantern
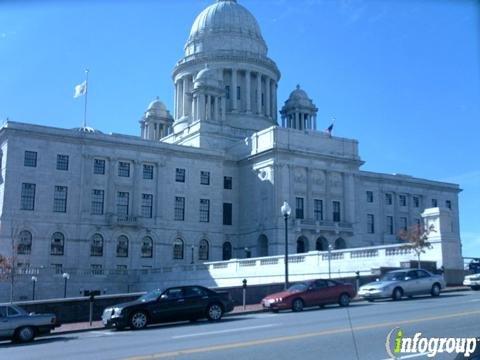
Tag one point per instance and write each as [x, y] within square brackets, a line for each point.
[299, 111]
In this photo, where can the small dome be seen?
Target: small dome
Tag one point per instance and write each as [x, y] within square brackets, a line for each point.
[157, 108]
[206, 77]
[299, 98]
[298, 94]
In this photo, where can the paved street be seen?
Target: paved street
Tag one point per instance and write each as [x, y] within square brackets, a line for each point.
[312, 334]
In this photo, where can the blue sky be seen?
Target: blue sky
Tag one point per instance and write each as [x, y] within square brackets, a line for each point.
[401, 76]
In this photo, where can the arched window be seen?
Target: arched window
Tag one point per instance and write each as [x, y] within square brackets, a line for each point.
[147, 247]
[227, 251]
[122, 246]
[25, 243]
[203, 250]
[96, 245]
[57, 245]
[340, 244]
[178, 249]
[321, 244]
[302, 245]
[262, 245]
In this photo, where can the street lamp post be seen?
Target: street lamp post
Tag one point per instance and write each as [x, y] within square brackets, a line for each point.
[286, 211]
[34, 282]
[65, 276]
[330, 247]
[247, 253]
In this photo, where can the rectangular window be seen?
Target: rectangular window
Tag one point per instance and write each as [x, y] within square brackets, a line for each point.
[370, 224]
[370, 196]
[99, 166]
[97, 269]
[299, 213]
[388, 199]
[204, 210]
[336, 211]
[60, 199]
[318, 209]
[434, 203]
[30, 159]
[123, 169]
[416, 202]
[62, 162]
[97, 202]
[390, 229]
[28, 197]
[227, 92]
[180, 175]
[148, 172]
[238, 93]
[147, 205]
[179, 208]
[403, 223]
[227, 214]
[204, 178]
[448, 204]
[58, 268]
[403, 200]
[227, 182]
[122, 203]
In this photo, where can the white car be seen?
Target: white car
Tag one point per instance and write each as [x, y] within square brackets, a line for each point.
[473, 281]
[399, 283]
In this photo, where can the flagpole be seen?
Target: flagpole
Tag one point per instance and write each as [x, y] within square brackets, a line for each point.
[86, 97]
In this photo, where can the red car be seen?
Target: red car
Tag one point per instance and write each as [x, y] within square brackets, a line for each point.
[310, 293]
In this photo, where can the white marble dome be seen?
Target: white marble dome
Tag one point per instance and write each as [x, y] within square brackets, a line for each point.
[299, 97]
[225, 26]
[157, 108]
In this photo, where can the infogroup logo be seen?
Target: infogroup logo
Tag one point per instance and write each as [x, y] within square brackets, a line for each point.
[398, 344]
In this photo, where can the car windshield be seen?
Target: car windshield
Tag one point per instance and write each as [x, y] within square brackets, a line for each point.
[152, 295]
[298, 287]
[394, 276]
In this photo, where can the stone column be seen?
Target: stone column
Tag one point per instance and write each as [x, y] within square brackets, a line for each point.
[180, 99]
[193, 113]
[248, 94]
[268, 105]
[234, 89]
[274, 95]
[208, 115]
[315, 122]
[297, 124]
[349, 197]
[185, 94]
[216, 105]
[175, 110]
[259, 93]
[201, 106]
[224, 108]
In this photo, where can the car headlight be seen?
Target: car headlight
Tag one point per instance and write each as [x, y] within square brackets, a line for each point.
[117, 311]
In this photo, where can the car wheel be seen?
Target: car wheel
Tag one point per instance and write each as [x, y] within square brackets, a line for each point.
[370, 300]
[214, 312]
[435, 290]
[138, 320]
[475, 288]
[25, 334]
[397, 294]
[275, 311]
[297, 305]
[344, 300]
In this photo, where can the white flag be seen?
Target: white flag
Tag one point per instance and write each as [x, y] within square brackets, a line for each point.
[80, 89]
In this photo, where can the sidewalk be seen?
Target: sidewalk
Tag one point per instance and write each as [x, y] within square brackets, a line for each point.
[238, 310]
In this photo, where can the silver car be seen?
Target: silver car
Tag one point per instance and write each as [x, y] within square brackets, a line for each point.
[18, 325]
[399, 283]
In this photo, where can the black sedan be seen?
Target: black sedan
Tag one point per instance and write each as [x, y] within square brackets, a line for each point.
[173, 304]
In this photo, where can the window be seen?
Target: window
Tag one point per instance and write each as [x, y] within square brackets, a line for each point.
[227, 92]
[448, 204]
[62, 162]
[179, 208]
[203, 250]
[238, 93]
[122, 203]
[390, 229]
[148, 172]
[403, 200]
[416, 202]
[58, 244]
[99, 166]
[147, 247]
[97, 202]
[122, 246]
[147, 204]
[318, 209]
[96, 245]
[28, 197]
[321, 244]
[299, 208]
[58, 268]
[204, 178]
[434, 203]
[30, 159]
[204, 210]
[24, 246]
[340, 244]
[180, 175]
[226, 251]
[388, 199]
[302, 245]
[370, 224]
[336, 211]
[60, 199]
[227, 214]
[370, 196]
[403, 223]
[178, 249]
[227, 182]
[97, 269]
[123, 169]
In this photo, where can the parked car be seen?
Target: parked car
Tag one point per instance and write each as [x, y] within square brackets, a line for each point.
[310, 293]
[18, 325]
[399, 283]
[173, 304]
[473, 281]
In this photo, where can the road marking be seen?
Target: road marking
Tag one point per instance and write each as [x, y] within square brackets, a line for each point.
[251, 343]
[409, 356]
[224, 331]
